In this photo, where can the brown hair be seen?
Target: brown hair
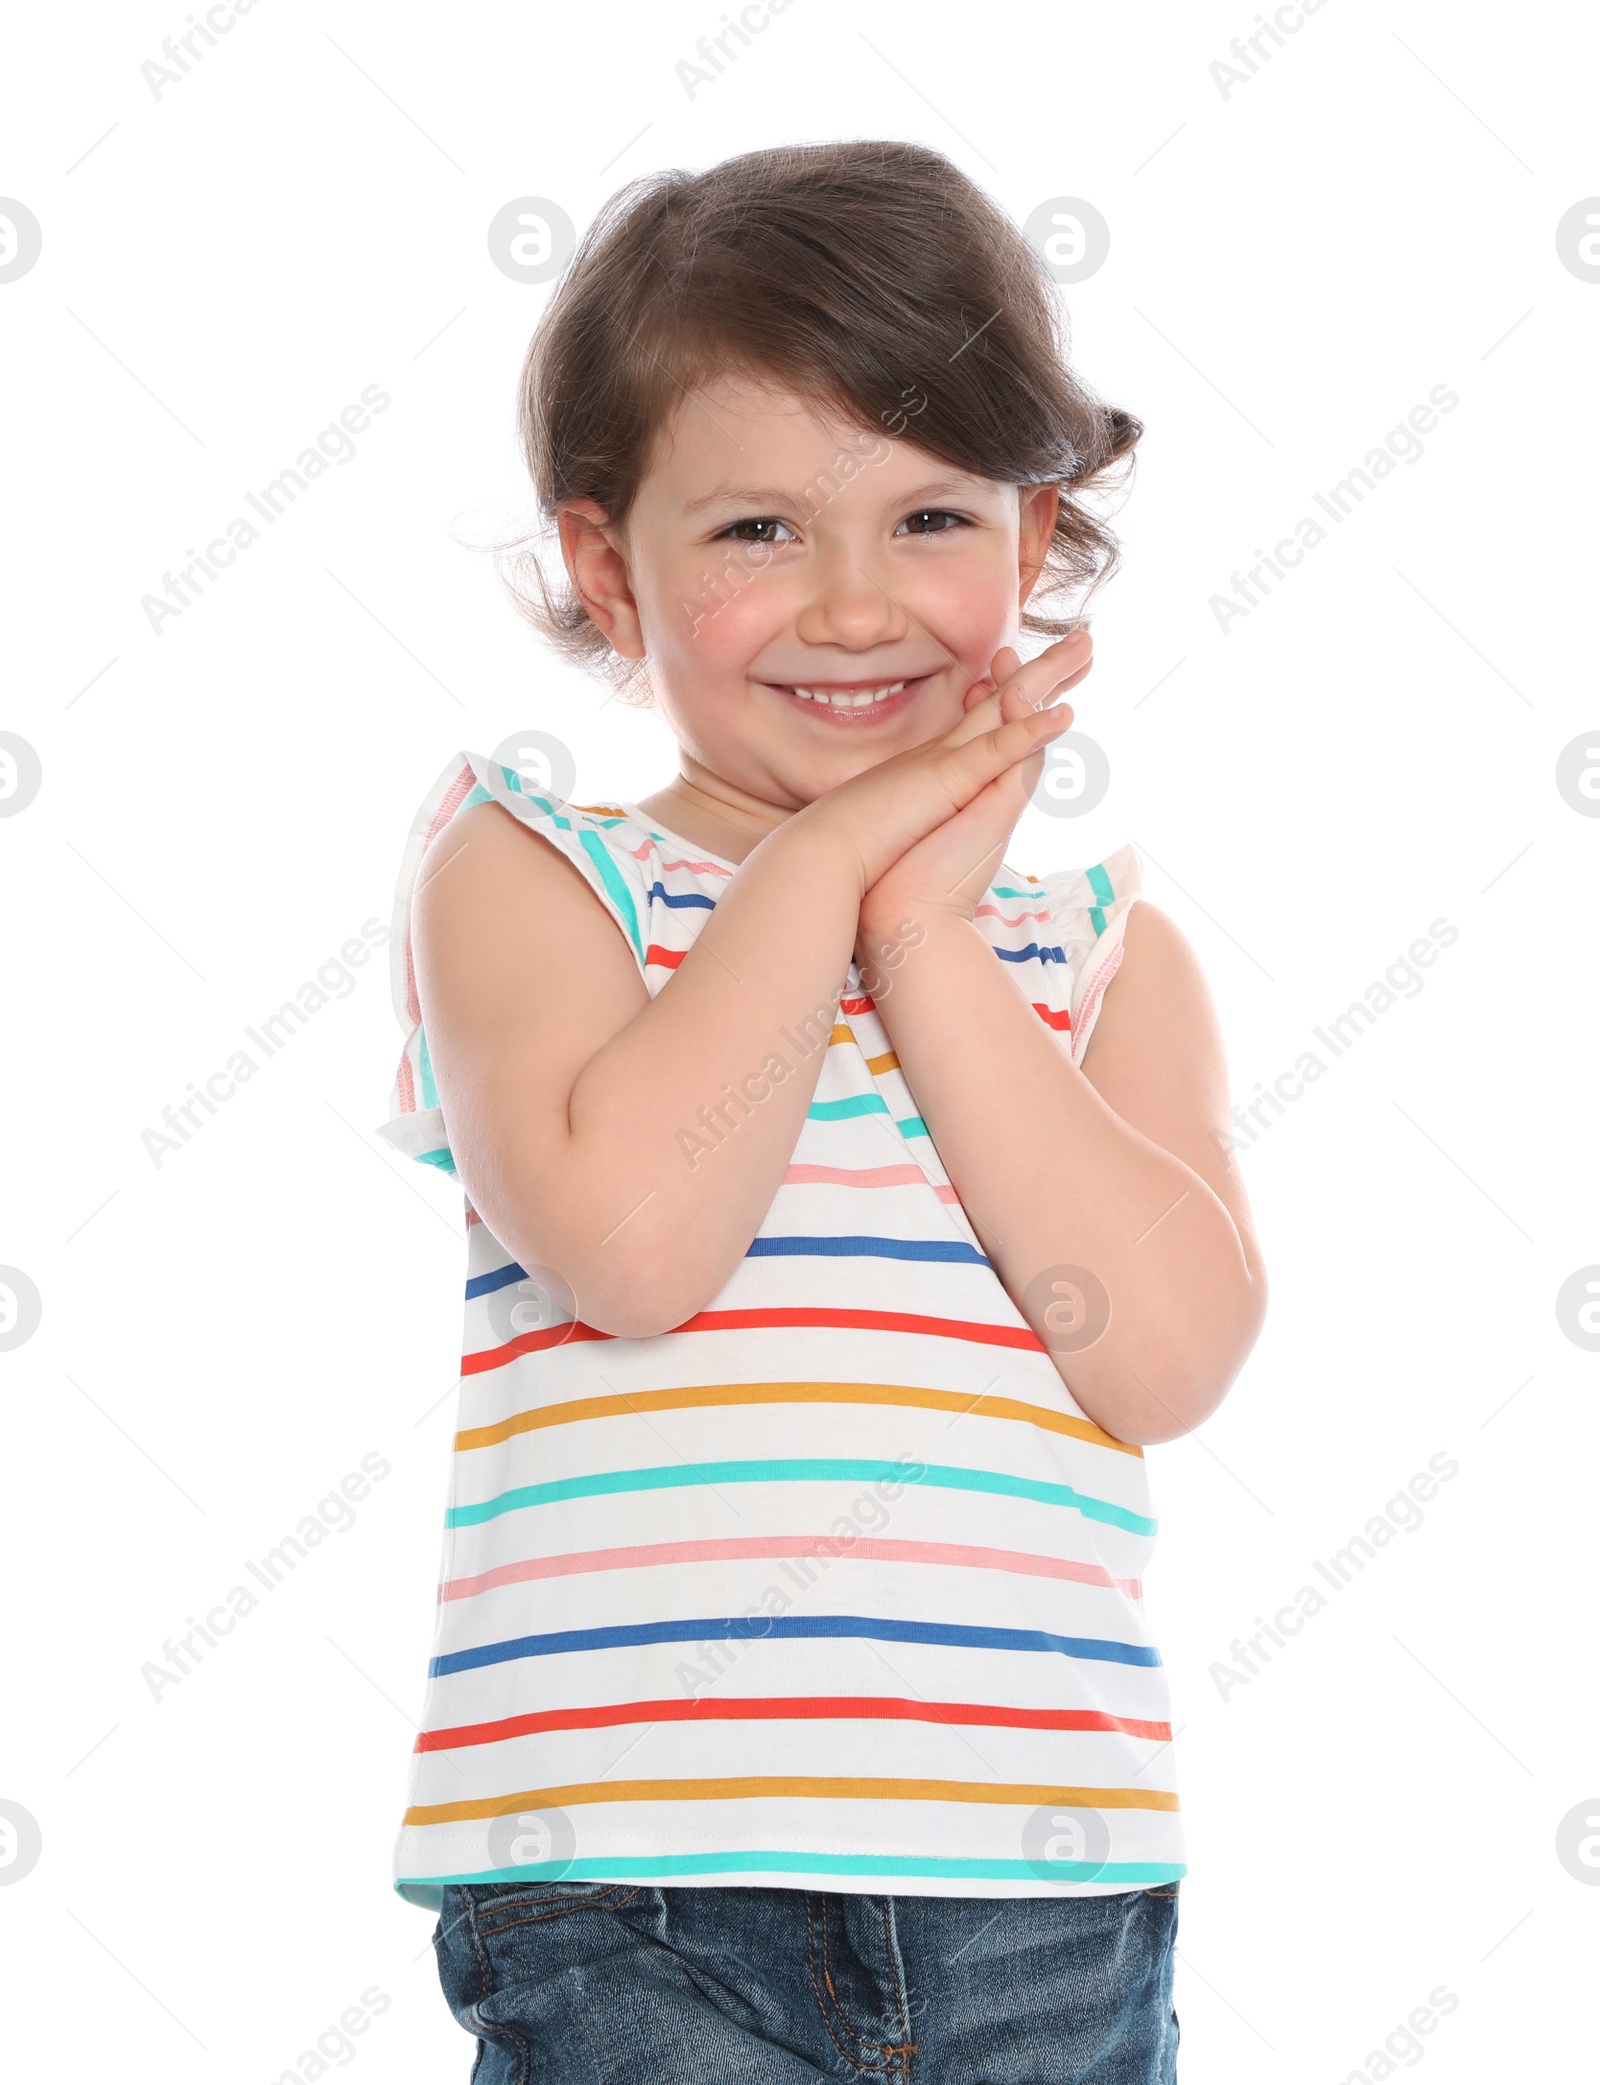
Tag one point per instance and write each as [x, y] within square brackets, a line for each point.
[865, 275]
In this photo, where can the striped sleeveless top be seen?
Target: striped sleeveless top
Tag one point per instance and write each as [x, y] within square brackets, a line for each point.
[833, 1586]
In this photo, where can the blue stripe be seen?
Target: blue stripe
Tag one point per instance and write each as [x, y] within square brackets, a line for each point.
[788, 1628]
[498, 1278]
[1027, 955]
[693, 897]
[800, 1470]
[868, 1249]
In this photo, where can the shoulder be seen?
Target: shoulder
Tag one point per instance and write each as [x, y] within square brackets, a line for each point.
[1159, 1003]
[498, 859]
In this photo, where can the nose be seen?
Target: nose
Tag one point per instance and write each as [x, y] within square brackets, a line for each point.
[849, 605]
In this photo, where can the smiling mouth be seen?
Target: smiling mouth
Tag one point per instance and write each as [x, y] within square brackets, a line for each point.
[847, 701]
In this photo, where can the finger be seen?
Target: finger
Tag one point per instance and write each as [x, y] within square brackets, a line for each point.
[1054, 669]
[981, 759]
[1004, 665]
[1015, 703]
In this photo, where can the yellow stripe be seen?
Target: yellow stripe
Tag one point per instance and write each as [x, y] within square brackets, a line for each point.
[702, 1394]
[823, 1788]
[887, 1062]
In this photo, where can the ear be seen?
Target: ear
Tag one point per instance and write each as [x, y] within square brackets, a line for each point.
[1039, 504]
[591, 549]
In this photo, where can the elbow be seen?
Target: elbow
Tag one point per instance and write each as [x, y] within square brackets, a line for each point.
[627, 1302]
[1184, 1378]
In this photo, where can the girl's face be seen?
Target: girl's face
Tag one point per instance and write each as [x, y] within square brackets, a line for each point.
[811, 596]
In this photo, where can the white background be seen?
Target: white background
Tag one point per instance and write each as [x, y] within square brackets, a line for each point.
[1293, 265]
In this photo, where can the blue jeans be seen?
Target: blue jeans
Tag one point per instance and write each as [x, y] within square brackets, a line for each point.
[600, 1983]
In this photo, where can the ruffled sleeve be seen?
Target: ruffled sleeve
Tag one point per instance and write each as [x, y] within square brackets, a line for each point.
[415, 1125]
[1088, 913]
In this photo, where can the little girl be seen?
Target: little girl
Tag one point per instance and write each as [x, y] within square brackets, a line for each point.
[836, 1236]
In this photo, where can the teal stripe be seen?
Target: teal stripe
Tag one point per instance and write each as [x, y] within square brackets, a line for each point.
[1001, 890]
[430, 1092]
[1097, 919]
[1100, 884]
[623, 1868]
[477, 795]
[442, 1159]
[540, 803]
[913, 1126]
[620, 896]
[593, 846]
[842, 1110]
[797, 1470]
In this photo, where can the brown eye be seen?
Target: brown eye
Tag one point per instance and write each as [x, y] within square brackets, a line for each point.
[758, 530]
[931, 521]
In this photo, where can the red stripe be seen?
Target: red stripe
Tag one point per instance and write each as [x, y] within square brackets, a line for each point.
[1052, 1019]
[779, 1708]
[1021, 1336]
[667, 958]
[528, 1343]
[867, 1321]
[858, 1006]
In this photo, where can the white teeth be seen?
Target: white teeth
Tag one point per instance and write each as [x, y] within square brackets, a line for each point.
[843, 699]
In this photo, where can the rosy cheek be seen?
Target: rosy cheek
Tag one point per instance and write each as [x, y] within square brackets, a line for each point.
[967, 610]
[717, 617]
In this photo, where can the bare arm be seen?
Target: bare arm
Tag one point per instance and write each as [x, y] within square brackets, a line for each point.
[568, 1092]
[1112, 1167]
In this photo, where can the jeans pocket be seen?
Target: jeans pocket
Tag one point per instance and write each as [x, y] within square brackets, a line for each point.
[498, 1906]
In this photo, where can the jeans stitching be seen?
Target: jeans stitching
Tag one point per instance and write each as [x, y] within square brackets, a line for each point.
[907, 2047]
[561, 1909]
[884, 2050]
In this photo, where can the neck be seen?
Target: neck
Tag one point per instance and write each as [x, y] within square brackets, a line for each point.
[714, 813]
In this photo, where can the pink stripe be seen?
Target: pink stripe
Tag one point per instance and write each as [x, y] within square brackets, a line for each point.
[1096, 987]
[878, 1549]
[695, 868]
[865, 1176]
[405, 1086]
[994, 912]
